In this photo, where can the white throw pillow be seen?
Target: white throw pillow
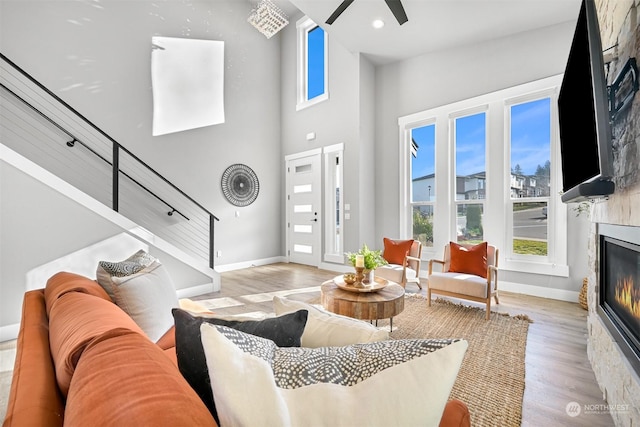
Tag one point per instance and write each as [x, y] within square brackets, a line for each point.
[387, 383]
[326, 329]
[148, 297]
[107, 270]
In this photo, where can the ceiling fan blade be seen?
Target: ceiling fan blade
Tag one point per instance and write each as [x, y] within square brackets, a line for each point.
[397, 10]
[339, 11]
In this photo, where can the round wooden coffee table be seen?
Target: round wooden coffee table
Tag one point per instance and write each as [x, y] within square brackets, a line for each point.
[385, 303]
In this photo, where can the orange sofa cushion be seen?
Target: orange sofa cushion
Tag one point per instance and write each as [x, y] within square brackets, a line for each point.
[63, 282]
[469, 259]
[34, 399]
[76, 318]
[149, 391]
[456, 414]
[395, 251]
[168, 340]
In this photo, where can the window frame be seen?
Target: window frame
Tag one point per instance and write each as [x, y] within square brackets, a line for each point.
[496, 212]
[556, 259]
[430, 202]
[303, 27]
[333, 213]
[453, 116]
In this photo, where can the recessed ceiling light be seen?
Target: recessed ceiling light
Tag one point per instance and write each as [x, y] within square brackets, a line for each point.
[378, 23]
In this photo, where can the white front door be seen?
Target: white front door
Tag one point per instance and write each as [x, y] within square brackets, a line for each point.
[304, 209]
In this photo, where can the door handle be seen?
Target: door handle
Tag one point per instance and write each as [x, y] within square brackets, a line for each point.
[315, 220]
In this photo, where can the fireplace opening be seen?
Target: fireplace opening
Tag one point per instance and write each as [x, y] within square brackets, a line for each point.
[619, 292]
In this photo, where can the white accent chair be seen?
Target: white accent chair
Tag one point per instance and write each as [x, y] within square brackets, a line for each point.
[463, 285]
[407, 272]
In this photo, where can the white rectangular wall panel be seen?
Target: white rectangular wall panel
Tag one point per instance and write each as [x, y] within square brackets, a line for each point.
[188, 84]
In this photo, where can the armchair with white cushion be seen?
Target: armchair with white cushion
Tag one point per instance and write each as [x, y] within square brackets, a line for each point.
[468, 272]
[404, 261]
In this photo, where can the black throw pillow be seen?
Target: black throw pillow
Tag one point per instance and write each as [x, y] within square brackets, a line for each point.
[284, 331]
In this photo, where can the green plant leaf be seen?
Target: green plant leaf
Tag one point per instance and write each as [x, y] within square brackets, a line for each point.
[372, 259]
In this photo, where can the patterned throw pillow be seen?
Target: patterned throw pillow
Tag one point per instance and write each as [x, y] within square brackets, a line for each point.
[108, 269]
[302, 367]
[393, 382]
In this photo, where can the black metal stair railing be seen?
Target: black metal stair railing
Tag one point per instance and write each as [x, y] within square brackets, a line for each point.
[30, 116]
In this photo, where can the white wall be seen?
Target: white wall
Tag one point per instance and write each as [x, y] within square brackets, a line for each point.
[96, 57]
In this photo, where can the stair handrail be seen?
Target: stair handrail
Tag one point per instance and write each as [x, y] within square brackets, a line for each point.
[116, 154]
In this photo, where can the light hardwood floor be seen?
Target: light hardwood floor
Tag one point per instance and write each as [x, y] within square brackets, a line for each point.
[557, 369]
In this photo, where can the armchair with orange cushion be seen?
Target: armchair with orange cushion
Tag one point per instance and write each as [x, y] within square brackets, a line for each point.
[404, 261]
[468, 272]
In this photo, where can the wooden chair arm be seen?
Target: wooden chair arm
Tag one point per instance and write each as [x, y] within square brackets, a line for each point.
[409, 258]
[492, 273]
[412, 258]
[437, 261]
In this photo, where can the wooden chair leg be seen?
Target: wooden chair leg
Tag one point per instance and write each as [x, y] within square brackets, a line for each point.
[429, 297]
[419, 285]
[488, 308]
[496, 297]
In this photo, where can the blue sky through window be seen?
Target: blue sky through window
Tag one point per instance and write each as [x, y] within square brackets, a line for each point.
[470, 144]
[315, 62]
[530, 141]
[531, 135]
[424, 163]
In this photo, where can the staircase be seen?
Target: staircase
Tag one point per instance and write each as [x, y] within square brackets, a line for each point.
[52, 156]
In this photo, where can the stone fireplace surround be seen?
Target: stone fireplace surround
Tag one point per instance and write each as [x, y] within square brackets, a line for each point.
[617, 300]
[619, 382]
[619, 26]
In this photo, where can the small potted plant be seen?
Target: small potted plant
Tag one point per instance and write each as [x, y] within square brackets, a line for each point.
[370, 260]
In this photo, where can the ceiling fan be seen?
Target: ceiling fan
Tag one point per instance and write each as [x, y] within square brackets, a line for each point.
[394, 5]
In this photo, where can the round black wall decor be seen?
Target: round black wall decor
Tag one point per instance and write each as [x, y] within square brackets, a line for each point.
[240, 185]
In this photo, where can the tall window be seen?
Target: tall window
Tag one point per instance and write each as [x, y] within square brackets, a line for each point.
[530, 178]
[312, 64]
[495, 175]
[423, 178]
[333, 202]
[470, 176]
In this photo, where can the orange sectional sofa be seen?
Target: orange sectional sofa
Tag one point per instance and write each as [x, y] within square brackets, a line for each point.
[82, 361]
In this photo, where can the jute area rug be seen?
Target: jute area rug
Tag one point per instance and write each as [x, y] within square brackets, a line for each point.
[491, 378]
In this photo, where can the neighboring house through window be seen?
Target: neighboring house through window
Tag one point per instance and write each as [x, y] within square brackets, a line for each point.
[470, 145]
[423, 189]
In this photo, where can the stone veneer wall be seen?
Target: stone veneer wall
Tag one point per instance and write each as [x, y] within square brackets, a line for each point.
[617, 379]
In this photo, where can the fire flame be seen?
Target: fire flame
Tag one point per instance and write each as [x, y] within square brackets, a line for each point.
[628, 296]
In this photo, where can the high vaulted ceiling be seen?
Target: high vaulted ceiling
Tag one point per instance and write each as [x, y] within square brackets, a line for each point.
[433, 24]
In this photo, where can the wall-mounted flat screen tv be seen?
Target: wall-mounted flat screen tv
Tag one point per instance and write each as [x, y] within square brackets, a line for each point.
[583, 111]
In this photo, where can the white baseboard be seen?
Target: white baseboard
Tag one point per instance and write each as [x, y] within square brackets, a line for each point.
[193, 291]
[9, 332]
[539, 291]
[339, 268]
[248, 264]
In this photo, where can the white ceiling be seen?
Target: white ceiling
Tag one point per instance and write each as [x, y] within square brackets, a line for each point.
[433, 24]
